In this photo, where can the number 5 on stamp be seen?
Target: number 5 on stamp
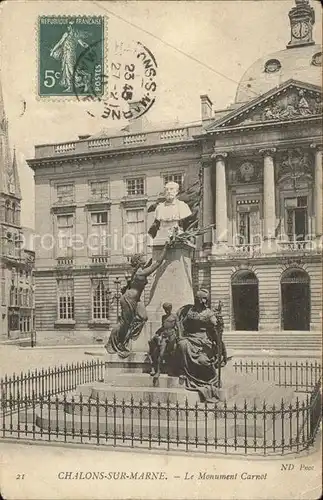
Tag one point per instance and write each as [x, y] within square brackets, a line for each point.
[71, 55]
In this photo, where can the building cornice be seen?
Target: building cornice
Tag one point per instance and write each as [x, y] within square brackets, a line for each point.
[84, 269]
[268, 259]
[256, 147]
[103, 155]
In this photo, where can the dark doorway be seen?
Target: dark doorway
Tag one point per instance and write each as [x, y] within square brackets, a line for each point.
[245, 301]
[295, 292]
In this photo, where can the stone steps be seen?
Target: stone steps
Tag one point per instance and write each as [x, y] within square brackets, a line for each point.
[127, 426]
[145, 380]
[92, 408]
[104, 391]
[298, 341]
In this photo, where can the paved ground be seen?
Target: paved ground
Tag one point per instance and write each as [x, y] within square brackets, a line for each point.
[40, 472]
[15, 359]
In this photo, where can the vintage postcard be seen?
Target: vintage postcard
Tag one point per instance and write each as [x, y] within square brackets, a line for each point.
[160, 250]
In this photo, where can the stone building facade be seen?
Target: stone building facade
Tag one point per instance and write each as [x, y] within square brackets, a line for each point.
[17, 257]
[260, 164]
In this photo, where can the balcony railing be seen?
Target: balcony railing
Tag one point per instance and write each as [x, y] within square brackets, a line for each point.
[247, 249]
[292, 246]
[64, 148]
[65, 261]
[99, 259]
[134, 139]
[99, 143]
[175, 134]
[118, 141]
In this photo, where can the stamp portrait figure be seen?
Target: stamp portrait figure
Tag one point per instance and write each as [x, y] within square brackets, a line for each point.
[65, 51]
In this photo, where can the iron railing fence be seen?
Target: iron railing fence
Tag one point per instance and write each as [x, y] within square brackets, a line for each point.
[299, 375]
[60, 379]
[49, 381]
[265, 429]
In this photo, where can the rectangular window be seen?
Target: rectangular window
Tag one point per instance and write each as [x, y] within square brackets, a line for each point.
[99, 218]
[14, 296]
[135, 186]
[21, 297]
[100, 300]
[65, 192]
[66, 299]
[176, 177]
[17, 245]
[30, 298]
[24, 324]
[65, 235]
[133, 240]
[3, 286]
[296, 218]
[99, 233]
[10, 244]
[99, 189]
[26, 298]
[248, 224]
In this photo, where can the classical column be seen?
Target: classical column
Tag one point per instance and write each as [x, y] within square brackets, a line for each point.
[221, 214]
[269, 196]
[318, 190]
[207, 203]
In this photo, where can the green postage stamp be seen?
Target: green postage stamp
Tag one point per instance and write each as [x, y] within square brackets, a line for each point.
[71, 55]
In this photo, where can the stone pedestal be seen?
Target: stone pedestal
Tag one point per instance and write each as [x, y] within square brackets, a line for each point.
[171, 283]
[14, 334]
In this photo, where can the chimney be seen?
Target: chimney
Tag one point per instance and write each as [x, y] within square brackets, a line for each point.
[137, 123]
[206, 107]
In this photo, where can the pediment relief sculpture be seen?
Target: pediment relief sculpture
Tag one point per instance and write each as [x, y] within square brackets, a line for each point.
[293, 106]
[289, 102]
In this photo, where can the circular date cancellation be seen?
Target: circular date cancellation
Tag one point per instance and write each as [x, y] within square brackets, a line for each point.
[126, 89]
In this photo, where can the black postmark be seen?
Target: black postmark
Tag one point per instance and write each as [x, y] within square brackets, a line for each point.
[126, 89]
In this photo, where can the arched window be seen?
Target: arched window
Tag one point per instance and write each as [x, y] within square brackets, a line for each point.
[7, 212]
[14, 213]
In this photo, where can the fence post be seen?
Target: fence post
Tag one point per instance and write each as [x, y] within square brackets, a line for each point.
[282, 410]
[97, 419]
[264, 409]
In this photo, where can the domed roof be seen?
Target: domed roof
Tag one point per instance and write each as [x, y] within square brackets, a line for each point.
[300, 63]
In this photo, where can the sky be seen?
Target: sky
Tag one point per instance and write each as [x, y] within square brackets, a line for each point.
[200, 48]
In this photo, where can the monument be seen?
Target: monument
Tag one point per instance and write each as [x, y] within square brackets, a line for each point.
[173, 279]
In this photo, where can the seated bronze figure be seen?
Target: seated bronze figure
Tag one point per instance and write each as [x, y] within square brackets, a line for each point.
[200, 346]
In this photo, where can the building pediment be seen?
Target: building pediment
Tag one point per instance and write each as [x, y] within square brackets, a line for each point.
[292, 100]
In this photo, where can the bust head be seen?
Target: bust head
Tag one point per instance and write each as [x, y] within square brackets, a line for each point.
[167, 306]
[171, 191]
[201, 298]
[137, 260]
